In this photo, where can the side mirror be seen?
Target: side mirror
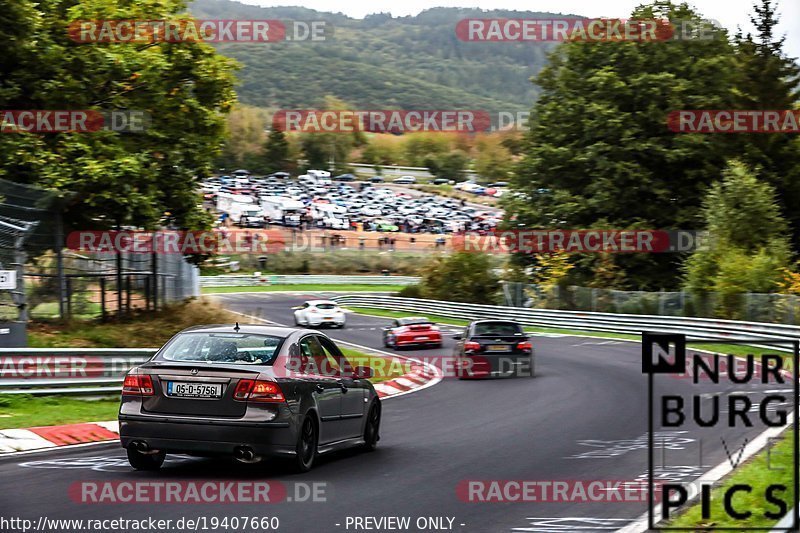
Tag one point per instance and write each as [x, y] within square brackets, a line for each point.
[363, 372]
[457, 336]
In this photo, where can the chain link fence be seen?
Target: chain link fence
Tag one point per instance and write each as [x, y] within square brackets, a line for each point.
[102, 285]
[53, 282]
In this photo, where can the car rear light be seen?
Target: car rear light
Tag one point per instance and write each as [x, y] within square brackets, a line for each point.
[524, 346]
[472, 346]
[243, 388]
[258, 391]
[137, 385]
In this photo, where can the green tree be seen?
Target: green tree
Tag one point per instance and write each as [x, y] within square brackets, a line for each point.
[599, 154]
[422, 146]
[769, 80]
[142, 178]
[450, 165]
[493, 158]
[461, 277]
[748, 248]
[320, 149]
[276, 151]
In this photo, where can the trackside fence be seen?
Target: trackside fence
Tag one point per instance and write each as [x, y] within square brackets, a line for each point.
[252, 280]
[78, 371]
[695, 328]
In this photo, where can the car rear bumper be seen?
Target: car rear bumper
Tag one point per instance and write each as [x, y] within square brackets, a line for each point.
[335, 321]
[400, 341]
[176, 435]
[484, 366]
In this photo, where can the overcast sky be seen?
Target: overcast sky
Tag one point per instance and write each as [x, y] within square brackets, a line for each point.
[730, 13]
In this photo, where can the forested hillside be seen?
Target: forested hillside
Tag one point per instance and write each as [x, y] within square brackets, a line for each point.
[383, 62]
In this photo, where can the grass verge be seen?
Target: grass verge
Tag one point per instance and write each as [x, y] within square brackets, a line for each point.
[138, 331]
[758, 473]
[316, 287]
[23, 411]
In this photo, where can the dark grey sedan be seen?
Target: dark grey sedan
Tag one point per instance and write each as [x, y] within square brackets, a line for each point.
[493, 348]
[249, 392]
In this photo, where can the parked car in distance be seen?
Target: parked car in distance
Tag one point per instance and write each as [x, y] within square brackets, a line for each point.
[440, 181]
[405, 180]
[248, 392]
[315, 313]
[412, 331]
[493, 348]
[345, 177]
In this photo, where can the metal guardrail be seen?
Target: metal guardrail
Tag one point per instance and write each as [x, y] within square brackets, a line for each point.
[252, 280]
[67, 370]
[702, 328]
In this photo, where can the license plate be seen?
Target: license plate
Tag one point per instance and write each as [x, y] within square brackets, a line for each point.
[422, 338]
[194, 390]
[328, 318]
[498, 348]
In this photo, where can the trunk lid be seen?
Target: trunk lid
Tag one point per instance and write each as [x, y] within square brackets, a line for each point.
[200, 389]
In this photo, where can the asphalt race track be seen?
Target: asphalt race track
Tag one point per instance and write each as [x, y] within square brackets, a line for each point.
[584, 417]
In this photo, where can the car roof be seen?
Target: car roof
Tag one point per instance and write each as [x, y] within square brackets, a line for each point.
[315, 302]
[506, 320]
[255, 329]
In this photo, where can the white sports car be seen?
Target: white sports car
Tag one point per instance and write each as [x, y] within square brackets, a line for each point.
[319, 312]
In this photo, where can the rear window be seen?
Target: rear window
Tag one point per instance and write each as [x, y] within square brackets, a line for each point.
[236, 348]
[498, 328]
[325, 306]
[413, 321]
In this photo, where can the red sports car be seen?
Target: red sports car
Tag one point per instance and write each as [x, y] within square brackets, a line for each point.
[412, 331]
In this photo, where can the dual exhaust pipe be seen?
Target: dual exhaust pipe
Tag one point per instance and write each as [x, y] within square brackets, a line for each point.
[143, 448]
[245, 454]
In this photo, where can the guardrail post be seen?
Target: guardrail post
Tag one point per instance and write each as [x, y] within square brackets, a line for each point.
[69, 297]
[103, 299]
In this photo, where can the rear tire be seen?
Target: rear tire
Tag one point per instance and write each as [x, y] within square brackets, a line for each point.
[142, 461]
[372, 428]
[306, 446]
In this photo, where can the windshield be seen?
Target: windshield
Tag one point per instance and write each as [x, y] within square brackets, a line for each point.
[497, 328]
[238, 348]
[325, 306]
